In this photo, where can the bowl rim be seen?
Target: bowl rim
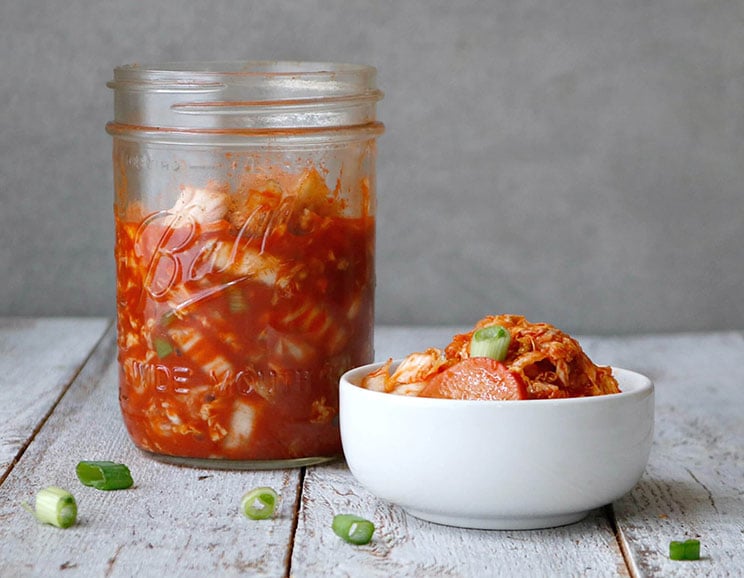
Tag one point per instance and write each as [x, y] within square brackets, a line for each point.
[639, 385]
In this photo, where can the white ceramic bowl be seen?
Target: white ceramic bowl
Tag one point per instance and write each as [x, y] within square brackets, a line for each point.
[497, 464]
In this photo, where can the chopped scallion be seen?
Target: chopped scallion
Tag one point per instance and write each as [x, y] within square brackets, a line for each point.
[54, 506]
[687, 550]
[492, 341]
[353, 529]
[259, 503]
[236, 300]
[104, 475]
[162, 347]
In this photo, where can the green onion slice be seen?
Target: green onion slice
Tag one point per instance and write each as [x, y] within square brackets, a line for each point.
[104, 475]
[236, 300]
[163, 347]
[54, 506]
[259, 503]
[492, 341]
[687, 550]
[353, 529]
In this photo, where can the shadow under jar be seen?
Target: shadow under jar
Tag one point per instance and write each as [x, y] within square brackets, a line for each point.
[245, 229]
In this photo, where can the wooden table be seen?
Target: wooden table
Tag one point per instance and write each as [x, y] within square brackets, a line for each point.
[58, 405]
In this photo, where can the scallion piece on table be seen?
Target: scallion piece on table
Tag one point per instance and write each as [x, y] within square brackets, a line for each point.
[687, 550]
[353, 529]
[104, 475]
[54, 506]
[492, 341]
[259, 503]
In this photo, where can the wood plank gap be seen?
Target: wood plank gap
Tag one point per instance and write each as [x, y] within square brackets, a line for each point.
[621, 541]
[108, 348]
[295, 522]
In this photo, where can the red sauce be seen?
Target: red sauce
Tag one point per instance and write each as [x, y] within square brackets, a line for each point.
[233, 334]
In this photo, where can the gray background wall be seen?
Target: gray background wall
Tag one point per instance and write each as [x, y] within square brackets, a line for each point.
[577, 161]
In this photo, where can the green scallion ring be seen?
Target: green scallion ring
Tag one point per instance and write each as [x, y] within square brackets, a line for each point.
[104, 475]
[353, 529]
[259, 503]
[687, 550]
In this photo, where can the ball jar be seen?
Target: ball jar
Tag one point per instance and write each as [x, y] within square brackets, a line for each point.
[245, 238]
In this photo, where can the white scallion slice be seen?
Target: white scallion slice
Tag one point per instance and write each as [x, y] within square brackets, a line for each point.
[492, 341]
[54, 506]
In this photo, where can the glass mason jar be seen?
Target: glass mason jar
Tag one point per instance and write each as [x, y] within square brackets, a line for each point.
[245, 226]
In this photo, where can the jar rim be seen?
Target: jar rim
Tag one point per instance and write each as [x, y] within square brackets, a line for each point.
[247, 67]
[356, 77]
[251, 94]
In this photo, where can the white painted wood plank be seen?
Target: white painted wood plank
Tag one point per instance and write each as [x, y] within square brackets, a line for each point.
[694, 484]
[174, 522]
[38, 360]
[405, 546]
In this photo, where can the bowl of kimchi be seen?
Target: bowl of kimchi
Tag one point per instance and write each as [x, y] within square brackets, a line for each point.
[527, 462]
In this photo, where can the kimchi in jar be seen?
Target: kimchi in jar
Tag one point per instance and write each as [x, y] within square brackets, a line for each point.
[245, 225]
